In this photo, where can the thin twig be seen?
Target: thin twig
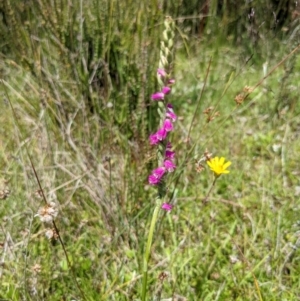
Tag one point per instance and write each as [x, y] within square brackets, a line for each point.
[199, 99]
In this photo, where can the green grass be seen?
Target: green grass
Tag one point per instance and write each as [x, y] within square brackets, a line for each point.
[89, 147]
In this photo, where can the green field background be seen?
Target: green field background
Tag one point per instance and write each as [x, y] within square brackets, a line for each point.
[76, 79]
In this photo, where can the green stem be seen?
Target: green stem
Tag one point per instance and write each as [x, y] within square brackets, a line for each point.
[148, 248]
[211, 187]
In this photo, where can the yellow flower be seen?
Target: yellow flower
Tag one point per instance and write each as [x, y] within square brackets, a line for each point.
[218, 165]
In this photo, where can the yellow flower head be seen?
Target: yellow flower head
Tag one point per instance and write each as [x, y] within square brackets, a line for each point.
[218, 165]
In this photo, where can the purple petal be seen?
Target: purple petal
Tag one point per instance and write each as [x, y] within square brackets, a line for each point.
[172, 116]
[170, 112]
[158, 96]
[153, 180]
[168, 125]
[171, 81]
[153, 139]
[161, 134]
[169, 165]
[166, 206]
[159, 172]
[166, 90]
[169, 146]
[169, 154]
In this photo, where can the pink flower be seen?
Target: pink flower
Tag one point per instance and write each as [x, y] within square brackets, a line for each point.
[156, 175]
[153, 139]
[153, 180]
[171, 82]
[166, 90]
[166, 206]
[161, 134]
[158, 96]
[161, 72]
[169, 165]
[170, 113]
[159, 172]
[168, 125]
[169, 154]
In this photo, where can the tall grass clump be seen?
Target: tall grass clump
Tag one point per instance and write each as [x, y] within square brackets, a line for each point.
[79, 78]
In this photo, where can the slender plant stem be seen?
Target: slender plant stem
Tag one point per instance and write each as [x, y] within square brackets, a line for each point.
[210, 190]
[148, 248]
[199, 100]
